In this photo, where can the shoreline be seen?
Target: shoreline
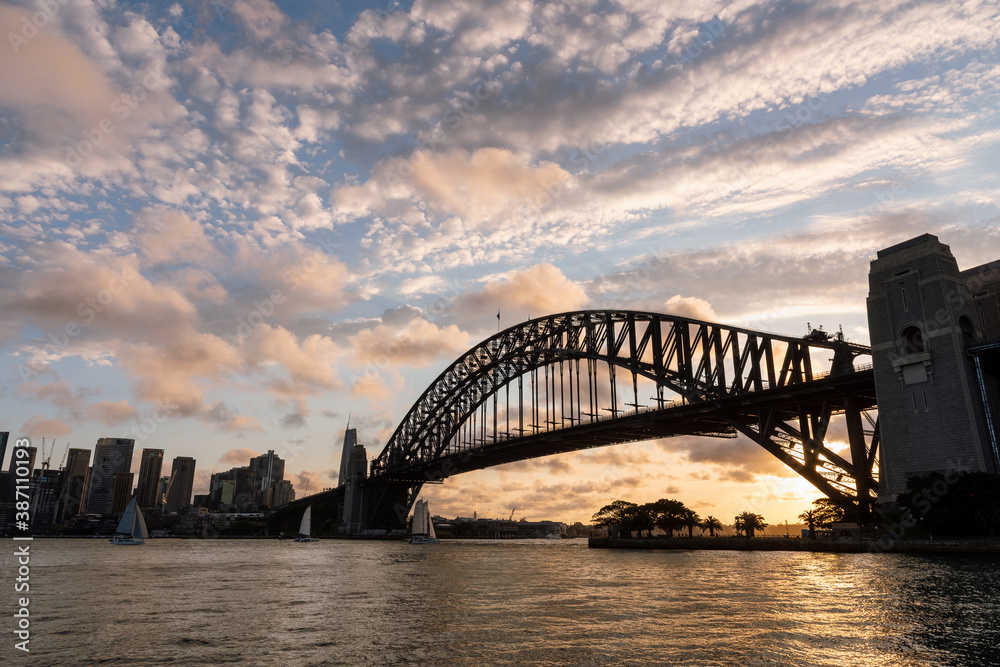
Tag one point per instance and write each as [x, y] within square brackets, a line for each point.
[991, 547]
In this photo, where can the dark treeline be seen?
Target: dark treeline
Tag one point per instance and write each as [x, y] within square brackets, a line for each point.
[669, 516]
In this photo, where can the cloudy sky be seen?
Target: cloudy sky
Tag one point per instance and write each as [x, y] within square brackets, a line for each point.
[227, 225]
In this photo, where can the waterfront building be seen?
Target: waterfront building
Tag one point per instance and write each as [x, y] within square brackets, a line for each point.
[150, 468]
[121, 491]
[268, 469]
[44, 492]
[74, 481]
[111, 456]
[283, 493]
[181, 484]
[161, 492]
[935, 337]
[233, 488]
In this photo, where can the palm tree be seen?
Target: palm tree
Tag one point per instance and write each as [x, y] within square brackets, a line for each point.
[690, 519]
[810, 517]
[748, 523]
[711, 524]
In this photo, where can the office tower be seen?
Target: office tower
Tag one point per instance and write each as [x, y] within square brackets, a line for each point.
[161, 492]
[244, 495]
[44, 491]
[149, 477]
[73, 484]
[121, 491]
[355, 508]
[29, 463]
[111, 455]
[4, 436]
[181, 484]
[283, 493]
[268, 470]
[934, 332]
[350, 440]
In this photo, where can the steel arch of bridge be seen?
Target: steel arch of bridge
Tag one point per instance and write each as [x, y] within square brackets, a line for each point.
[725, 380]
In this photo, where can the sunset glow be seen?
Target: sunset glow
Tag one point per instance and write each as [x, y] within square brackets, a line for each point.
[237, 226]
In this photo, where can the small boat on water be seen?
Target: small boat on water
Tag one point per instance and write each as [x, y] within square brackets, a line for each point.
[132, 528]
[422, 528]
[305, 528]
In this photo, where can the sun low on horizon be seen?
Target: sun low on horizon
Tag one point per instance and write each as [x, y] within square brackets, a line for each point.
[239, 226]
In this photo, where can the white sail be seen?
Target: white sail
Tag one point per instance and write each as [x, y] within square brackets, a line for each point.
[128, 518]
[305, 528]
[132, 523]
[417, 524]
[421, 527]
[430, 524]
[139, 531]
[132, 528]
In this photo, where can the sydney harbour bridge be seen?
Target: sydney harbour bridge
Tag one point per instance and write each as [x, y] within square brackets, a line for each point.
[592, 378]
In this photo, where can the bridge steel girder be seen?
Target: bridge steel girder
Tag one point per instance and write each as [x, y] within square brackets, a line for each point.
[730, 380]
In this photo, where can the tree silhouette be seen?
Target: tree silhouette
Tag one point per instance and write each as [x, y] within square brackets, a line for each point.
[748, 523]
[668, 515]
[712, 525]
[620, 513]
[691, 520]
[829, 512]
[810, 517]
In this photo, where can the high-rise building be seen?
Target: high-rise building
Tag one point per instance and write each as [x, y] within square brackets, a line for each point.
[227, 492]
[44, 490]
[4, 436]
[268, 470]
[181, 484]
[355, 508]
[350, 440]
[73, 484]
[934, 333]
[121, 491]
[29, 463]
[111, 455]
[283, 493]
[149, 477]
[161, 492]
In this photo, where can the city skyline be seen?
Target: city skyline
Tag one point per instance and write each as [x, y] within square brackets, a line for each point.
[244, 226]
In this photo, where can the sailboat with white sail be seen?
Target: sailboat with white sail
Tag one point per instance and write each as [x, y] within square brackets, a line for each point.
[305, 528]
[422, 528]
[132, 528]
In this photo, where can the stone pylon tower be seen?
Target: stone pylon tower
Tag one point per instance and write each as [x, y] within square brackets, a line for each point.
[935, 335]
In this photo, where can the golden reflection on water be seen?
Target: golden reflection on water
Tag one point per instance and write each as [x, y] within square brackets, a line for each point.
[540, 602]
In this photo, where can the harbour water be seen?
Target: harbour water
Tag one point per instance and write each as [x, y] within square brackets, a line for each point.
[537, 602]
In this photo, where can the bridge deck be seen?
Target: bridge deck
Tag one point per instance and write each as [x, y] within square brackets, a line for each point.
[711, 418]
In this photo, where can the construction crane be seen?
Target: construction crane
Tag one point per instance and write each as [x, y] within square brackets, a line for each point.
[65, 452]
[45, 461]
[512, 514]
